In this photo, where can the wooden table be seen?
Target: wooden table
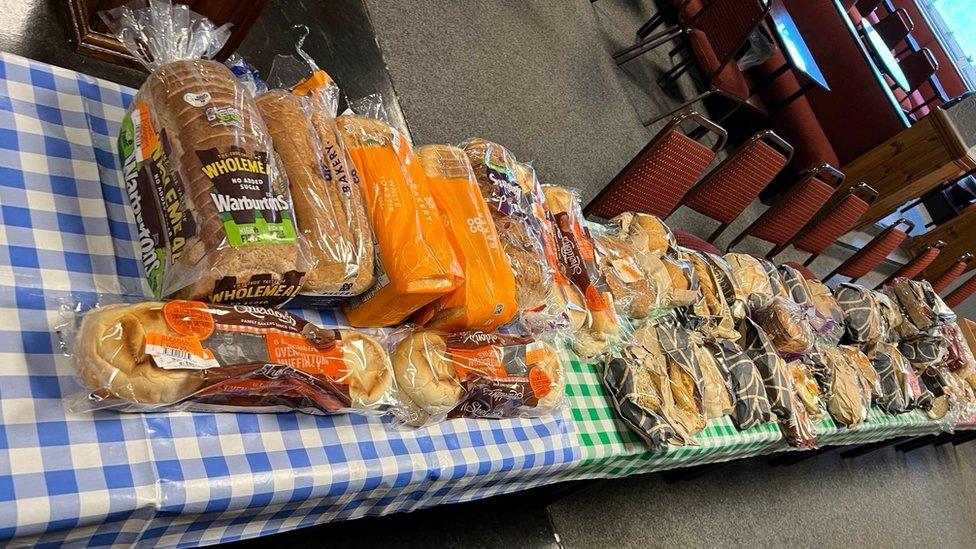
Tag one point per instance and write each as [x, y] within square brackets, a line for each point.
[910, 164]
[959, 234]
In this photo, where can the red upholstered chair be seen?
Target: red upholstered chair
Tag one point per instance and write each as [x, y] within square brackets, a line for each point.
[715, 34]
[780, 223]
[657, 178]
[874, 252]
[918, 67]
[687, 10]
[729, 188]
[894, 27]
[693, 242]
[803, 269]
[962, 293]
[948, 276]
[836, 218]
[918, 264]
[864, 7]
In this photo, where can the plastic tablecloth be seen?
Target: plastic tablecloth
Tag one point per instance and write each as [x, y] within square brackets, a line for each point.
[178, 478]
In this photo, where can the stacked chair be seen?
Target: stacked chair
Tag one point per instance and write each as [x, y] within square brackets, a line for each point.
[962, 293]
[874, 252]
[917, 264]
[950, 275]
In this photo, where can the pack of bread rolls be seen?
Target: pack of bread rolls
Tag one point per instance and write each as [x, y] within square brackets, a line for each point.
[564, 309]
[417, 263]
[326, 197]
[485, 299]
[635, 292]
[518, 225]
[646, 232]
[194, 146]
[188, 355]
[577, 257]
[476, 374]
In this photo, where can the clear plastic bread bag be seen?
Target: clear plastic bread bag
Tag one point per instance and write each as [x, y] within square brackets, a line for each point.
[751, 406]
[485, 300]
[601, 332]
[749, 273]
[445, 375]
[862, 313]
[417, 263]
[921, 304]
[684, 374]
[787, 326]
[885, 358]
[210, 199]
[327, 200]
[720, 324]
[565, 309]
[845, 396]
[636, 292]
[188, 355]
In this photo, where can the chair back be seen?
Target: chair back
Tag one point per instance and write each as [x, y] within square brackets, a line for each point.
[894, 27]
[660, 175]
[962, 293]
[918, 67]
[726, 191]
[728, 23]
[952, 273]
[780, 223]
[865, 7]
[918, 264]
[695, 242]
[835, 219]
[874, 252]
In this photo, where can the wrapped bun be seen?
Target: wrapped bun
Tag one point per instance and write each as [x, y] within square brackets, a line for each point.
[187, 355]
[633, 290]
[646, 232]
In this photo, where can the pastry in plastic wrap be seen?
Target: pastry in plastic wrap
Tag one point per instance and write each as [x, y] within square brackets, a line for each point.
[719, 322]
[485, 299]
[868, 376]
[750, 274]
[959, 357]
[327, 200]
[188, 355]
[477, 374]
[887, 361]
[808, 390]
[634, 292]
[565, 309]
[772, 368]
[715, 392]
[751, 405]
[786, 325]
[823, 301]
[735, 297]
[798, 428]
[925, 350]
[921, 304]
[646, 233]
[862, 314]
[681, 292]
[795, 284]
[518, 225]
[210, 198]
[684, 373]
[416, 259]
[845, 398]
[775, 279]
[637, 401]
[577, 255]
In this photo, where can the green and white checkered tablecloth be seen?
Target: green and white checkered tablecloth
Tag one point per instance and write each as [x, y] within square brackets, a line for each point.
[878, 426]
[610, 449]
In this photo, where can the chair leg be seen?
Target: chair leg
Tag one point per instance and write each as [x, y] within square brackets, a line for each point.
[680, 107]
[718, 232]
[650, 25]
[810, 260]
[675, 71]
[645, 45]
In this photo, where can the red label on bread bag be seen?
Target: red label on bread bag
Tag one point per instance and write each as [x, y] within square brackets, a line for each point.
[189, 318]
[302, 354]
[540, 382]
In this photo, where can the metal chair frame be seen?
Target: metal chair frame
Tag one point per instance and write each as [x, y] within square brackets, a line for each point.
[909, 227]
[937, 244]
[870, 195]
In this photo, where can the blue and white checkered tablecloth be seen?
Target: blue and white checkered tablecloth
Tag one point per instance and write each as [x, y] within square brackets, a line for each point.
[178, 478]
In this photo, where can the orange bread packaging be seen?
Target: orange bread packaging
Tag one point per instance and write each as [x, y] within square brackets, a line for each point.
[417, 263]
[485, 299]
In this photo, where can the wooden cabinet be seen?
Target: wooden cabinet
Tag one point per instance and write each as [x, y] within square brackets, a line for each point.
[91, 37]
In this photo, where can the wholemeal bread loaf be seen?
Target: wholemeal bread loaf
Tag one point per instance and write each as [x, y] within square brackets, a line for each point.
[417, 259]
[327, 201]
[189, 355]
[485, 299]
[225, 202]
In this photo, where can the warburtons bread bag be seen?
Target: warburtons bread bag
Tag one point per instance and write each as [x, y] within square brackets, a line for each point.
[211, 201]
[485, 299]
[417, 263]
[326, 197]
